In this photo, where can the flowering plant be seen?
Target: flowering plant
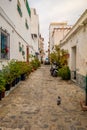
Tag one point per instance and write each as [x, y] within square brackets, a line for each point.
[5, 50]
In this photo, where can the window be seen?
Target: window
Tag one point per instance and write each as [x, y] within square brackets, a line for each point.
[26, 24]
[34, 36]
[20, 48]
[34, 12]
[23, 52]
[4, 46]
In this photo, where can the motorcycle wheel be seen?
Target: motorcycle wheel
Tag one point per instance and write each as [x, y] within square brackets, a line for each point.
[54, 74]
[51, 73]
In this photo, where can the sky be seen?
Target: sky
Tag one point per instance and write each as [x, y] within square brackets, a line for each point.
[57, 11]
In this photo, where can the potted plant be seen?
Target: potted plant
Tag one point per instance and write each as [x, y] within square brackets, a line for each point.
[7, 77]
[14, 71]
[2, 91]
[24, 70]
[2, 85]
[64, 72]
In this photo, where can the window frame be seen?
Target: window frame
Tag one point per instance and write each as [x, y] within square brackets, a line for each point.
[5, 55]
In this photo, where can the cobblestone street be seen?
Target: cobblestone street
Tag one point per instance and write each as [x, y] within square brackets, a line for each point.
[32, 105]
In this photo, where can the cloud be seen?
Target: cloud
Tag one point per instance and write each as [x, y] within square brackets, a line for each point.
[57, 11]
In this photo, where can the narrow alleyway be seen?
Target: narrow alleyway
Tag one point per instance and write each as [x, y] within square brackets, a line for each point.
[32, 105]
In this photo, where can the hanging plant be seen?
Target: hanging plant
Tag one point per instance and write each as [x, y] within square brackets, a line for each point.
[23, 53]
[20, 48]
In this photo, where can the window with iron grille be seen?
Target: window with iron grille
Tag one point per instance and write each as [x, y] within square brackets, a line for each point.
[4, 45]
[26, 24]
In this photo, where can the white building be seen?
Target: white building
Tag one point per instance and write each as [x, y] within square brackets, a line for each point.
[34, 32]
[41, 48]
[57, 31]
[76, 43]
[15, 31]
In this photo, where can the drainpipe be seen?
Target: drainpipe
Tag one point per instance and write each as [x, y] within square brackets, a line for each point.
[86, 91]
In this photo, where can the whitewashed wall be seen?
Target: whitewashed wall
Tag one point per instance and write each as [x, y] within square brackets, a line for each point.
[11, 21]
[35, 29]
[77, 39]
[57, 32]
[10, 8]
[80, 41]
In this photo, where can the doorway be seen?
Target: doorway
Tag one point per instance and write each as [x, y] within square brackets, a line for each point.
[27, 48]
[73, 62]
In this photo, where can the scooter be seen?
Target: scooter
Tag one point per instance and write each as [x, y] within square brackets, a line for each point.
[54, 69]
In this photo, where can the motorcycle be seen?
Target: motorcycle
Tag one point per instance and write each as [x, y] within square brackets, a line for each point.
[54, 69]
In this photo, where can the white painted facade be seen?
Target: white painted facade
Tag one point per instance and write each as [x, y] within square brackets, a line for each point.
[41, 47]
[13, 28]
[57, 31]
[34, 32]
[14, 24]
[76, 43]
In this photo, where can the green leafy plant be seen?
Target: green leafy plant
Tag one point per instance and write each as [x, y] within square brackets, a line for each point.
[7, 75]
[59, 56]
[15, 69]
[64, 72]
[2, 82]
[2, 88]
[35, 63]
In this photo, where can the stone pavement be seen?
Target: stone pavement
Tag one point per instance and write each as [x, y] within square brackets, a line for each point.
[32, 105]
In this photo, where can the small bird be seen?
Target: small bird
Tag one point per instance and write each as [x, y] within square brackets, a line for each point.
[58, 100]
